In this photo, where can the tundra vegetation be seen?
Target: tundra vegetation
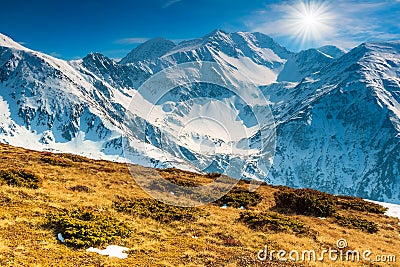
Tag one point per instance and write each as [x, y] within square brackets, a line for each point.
[97, 203]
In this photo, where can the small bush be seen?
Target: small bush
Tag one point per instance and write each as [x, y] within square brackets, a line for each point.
[151, 208]
[357, 223]
[213, 175]
[181, 182]
[265, 221]
[20, 178]
[75, 158]
[56, 160]
[239, 198]
[81, 188]
[354, 203]
[231, 242]
[305, 202]
[4, 200]
[85, 228]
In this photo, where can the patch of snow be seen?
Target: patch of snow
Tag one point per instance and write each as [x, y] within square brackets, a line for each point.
[259, 74]
[111, 251]
[393, 209]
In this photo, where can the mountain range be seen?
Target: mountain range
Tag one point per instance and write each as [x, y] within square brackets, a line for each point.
[336, 113]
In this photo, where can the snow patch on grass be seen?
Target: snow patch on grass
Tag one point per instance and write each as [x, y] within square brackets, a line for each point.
[111, 251]
[393, 209]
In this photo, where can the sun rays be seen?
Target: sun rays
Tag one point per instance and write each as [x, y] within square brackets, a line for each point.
[309, 21]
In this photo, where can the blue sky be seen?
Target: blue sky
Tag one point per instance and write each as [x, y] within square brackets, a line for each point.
[72, 29]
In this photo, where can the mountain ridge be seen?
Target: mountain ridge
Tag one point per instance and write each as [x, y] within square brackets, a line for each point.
[149, 50]
[82, 106]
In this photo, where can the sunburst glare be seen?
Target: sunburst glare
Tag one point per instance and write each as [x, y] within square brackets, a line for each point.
[309, 22]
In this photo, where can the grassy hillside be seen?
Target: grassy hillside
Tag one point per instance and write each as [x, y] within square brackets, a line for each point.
[98, 203]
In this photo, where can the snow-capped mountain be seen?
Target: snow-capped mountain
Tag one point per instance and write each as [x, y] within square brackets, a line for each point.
[332, 51]
[48, 103]
[339, 127]
[336, 113]
[149, 50]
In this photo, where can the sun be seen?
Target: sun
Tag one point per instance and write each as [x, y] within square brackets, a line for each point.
[310, 21]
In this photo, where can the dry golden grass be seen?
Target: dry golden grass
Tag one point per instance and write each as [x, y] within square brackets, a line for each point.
[217, 240]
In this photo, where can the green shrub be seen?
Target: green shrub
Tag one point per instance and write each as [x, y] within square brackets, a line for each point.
[316, 203]
[239, 198]
[357, 223]
[306, 202]
[184, 183]
[4, 199]
[159, 211]
[270, 220]
[85, 228]
[19, 178]
[355, 203]
[230, 241]
[81, 188]
[75, 158]
[213, 175]
[56, 160]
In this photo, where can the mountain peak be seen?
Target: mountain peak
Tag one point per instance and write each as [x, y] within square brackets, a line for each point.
[6, 41]
[149, 50]
[332, 51]
[215, 33]
[232, 43]
[95, 55]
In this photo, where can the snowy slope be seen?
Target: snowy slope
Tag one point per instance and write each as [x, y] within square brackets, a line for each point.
[303, 64]
[338, 130]
[149, 51]
[393, 210]
[50, 104]
[332, 51]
